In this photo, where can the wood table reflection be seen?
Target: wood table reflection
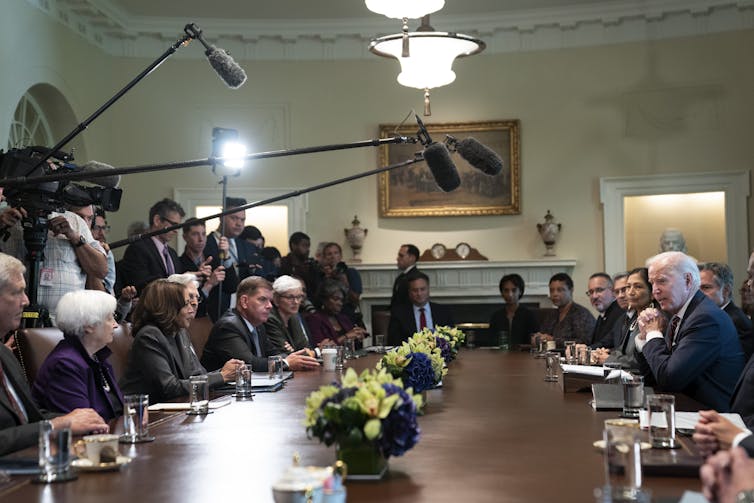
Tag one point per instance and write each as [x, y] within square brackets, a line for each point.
[495, 432]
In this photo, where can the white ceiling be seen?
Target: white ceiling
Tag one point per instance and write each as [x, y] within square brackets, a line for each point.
[342, 29]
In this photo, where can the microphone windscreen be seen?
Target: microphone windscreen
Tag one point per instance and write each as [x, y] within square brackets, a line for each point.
[479, 156]
[442, 167]
[99, 174]
[226, 67]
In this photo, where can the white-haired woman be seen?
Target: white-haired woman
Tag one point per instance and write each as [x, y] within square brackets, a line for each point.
[286, 331]
[76, 374]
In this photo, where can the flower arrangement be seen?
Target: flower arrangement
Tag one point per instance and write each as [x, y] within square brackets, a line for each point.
[370, 408]
[454, 336]
[418, 362]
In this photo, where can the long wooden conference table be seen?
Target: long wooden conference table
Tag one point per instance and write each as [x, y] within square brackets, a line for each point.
[495, 432]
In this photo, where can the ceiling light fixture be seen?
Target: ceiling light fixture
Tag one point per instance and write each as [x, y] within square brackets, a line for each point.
[405, 10]
[431, 61]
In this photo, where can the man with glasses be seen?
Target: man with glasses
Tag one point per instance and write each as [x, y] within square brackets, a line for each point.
[602, 297]
[193, 259]
[151, 258]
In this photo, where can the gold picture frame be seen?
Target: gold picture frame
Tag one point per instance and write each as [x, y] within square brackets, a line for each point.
[410, 191]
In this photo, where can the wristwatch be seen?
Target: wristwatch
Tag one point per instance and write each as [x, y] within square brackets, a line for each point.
[746, 496]
[80, 242]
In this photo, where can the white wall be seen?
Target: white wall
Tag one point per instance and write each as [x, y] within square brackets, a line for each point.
[682, 105]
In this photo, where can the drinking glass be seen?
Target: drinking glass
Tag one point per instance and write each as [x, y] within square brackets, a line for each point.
[662, 421]
[275, 366]
[199, 395]
[55, 452]
[503, 341]
[622, 459]
[339, 358]
[570, 352]
[380, 342]
[350, 349]
[633, 395]
[552, 360]
[135, 419]
[243, 382]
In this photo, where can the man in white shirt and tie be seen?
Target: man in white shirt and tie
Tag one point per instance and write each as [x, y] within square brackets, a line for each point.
[420, 313]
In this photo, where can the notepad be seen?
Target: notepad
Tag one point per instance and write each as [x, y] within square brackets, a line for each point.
[214, 404]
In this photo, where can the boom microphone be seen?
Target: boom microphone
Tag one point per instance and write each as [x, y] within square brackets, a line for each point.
[481, 157]
[442, 167]
[100, 169]
[225, 66]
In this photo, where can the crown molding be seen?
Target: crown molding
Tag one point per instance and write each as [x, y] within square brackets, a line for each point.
[117, 33]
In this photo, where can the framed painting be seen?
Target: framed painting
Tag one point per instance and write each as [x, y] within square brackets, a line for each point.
[410, 191]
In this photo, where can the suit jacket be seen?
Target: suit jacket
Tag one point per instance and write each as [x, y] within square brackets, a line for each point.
[748, 444]
[742, 401]
[142, 264]
[231, 338]
[743, 327]
[161, 365]
[624, 351]
[400, 287]
[294, 332]
[15, 436]
[608, 326]
[523, 324]
[706, 359]
[70, 379]
[403, 324]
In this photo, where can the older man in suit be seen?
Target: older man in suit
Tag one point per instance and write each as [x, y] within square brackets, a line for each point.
[240, 332]
[407, 319]
[19, 415]
[699, 353]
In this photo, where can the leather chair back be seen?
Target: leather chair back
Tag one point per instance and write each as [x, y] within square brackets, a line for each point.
[199, 332]
[121, 347]
[380, 323]
[34, 344]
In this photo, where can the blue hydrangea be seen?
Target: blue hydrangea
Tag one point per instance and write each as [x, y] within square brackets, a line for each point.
[400, 430]
[445, 350]
[418, 374]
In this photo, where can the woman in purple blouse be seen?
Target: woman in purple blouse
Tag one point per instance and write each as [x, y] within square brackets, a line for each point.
[329, 325]
[76, 374]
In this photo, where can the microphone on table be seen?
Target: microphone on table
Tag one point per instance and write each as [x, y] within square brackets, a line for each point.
[479, 156]
[225, 66]
[438, 160]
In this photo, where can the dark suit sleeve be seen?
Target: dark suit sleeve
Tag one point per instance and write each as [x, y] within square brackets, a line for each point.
[748, 445]
[227, 340]
[277, 335]
[442, 315]
[138, 267]
[402, 324]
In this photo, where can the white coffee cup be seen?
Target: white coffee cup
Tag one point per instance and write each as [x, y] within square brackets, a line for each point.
[98, 448]
[329, 358]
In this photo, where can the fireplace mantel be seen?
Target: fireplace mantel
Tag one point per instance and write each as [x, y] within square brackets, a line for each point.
[468, 282]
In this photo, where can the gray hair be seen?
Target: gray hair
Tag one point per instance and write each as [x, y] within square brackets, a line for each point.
[184, 279]
[10, 268]
[679, 263]
[286, 283]
[82, 308]
[723, 276]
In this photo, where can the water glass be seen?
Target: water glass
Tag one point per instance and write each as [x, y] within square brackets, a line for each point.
[55, 452]
[622, 459]
[339, 358]
[503, 341]
[661, 419]
[379, 341]
[585, 355]
[275, 366]
[243, 382]
[135, 419]
[570, 352]
[199, 395]
[633, 395]
[349, 348]
[611, 371]
[552, 360]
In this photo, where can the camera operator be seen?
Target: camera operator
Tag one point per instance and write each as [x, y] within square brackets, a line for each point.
[333, 267]
[70, 255]
[299, 265]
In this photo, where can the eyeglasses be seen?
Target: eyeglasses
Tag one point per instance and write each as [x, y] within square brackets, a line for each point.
[591, 292]
[296, 298]
[168, 221]
[104, 228]
[195, 299]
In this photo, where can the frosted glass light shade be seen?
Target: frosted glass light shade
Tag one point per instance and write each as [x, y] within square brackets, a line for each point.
[432, 56]
[399, 9]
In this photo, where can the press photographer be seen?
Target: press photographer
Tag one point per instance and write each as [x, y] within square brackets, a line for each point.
[41, 228]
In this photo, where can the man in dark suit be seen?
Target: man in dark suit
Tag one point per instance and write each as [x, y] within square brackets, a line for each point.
[610, 320]
[151, 258]
[19, 415]
[699, 353]
[717, 284]
[237, 257]
[240, 332]
[408, 256]
[407, 319]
